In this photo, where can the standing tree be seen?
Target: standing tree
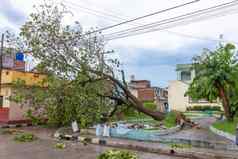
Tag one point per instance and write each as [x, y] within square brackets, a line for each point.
[83, 75]
[216, 77]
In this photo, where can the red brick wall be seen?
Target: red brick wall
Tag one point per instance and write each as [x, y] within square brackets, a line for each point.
[140, 84]
[146, 94]
[4, 115]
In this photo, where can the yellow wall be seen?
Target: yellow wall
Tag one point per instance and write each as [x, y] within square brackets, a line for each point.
[9, 76]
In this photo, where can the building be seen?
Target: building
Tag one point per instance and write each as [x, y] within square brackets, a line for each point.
[10, 111]
[177, 89]
[13, 68]
[145, 93]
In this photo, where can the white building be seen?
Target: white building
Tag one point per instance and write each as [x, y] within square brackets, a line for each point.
[177, 89]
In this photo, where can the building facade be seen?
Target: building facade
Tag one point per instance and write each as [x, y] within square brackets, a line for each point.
[177, 89]
[145, 93]
[9, 110]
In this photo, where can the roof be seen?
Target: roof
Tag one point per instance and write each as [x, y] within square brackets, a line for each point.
[184, 67]
[138, 81]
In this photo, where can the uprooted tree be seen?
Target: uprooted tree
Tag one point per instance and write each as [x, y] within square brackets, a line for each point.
[81, 75]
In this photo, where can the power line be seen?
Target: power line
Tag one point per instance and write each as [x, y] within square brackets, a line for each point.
[154, 28]
[1, 53]
[197, 14]
[181, 17]
[95, 11]
[106, 14]
[142, 17]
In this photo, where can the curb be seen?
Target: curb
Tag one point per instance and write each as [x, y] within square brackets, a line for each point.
[223, 134]
[5, 126]
[161, 151]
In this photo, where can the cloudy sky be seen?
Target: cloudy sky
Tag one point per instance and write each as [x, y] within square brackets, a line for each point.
[152, 56]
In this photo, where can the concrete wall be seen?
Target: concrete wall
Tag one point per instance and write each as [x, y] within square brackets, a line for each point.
[17, 112]
[176, 98]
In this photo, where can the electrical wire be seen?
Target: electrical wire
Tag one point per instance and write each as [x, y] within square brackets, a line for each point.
[199, 15]
[119, 18]
[145, 16]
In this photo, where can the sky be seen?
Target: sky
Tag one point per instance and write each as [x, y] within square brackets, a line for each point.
[151, 56]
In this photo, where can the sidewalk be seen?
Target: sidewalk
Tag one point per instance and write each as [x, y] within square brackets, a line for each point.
[159, 148]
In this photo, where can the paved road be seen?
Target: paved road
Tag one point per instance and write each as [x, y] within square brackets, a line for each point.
[44, 149]
[202, 134]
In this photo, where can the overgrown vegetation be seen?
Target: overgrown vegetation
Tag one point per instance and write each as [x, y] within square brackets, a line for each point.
[117, 154]
[227, 126]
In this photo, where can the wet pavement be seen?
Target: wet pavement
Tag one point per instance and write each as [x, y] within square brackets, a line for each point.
[202, 134]
[43, 148]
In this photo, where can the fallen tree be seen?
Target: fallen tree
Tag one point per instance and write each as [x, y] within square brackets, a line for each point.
[81, 75]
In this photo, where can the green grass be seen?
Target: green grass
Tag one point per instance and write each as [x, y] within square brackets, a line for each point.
[226, 126]
[170, 120]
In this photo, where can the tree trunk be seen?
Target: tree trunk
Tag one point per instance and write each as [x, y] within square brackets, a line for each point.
[225, 101]
[136, 104]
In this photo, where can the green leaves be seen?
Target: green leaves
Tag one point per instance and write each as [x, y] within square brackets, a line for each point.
[216, 70]
[117, 154]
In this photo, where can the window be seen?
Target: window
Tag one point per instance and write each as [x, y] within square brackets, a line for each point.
[185, 76]
[1, 101]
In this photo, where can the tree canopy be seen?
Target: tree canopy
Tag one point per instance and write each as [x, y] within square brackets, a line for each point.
[216, 77]
[83, 81]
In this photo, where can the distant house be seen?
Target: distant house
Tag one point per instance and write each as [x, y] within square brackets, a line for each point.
[177, 89]
[145, 93]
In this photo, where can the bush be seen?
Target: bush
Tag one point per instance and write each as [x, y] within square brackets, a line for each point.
[25, 137]
[150, 105]
[170, 120]
[116, 154]
[204, 108]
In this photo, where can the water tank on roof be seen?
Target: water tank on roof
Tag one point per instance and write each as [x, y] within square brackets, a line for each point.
[19, 56]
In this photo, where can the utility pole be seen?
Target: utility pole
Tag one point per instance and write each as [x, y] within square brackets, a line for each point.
[1, 53]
